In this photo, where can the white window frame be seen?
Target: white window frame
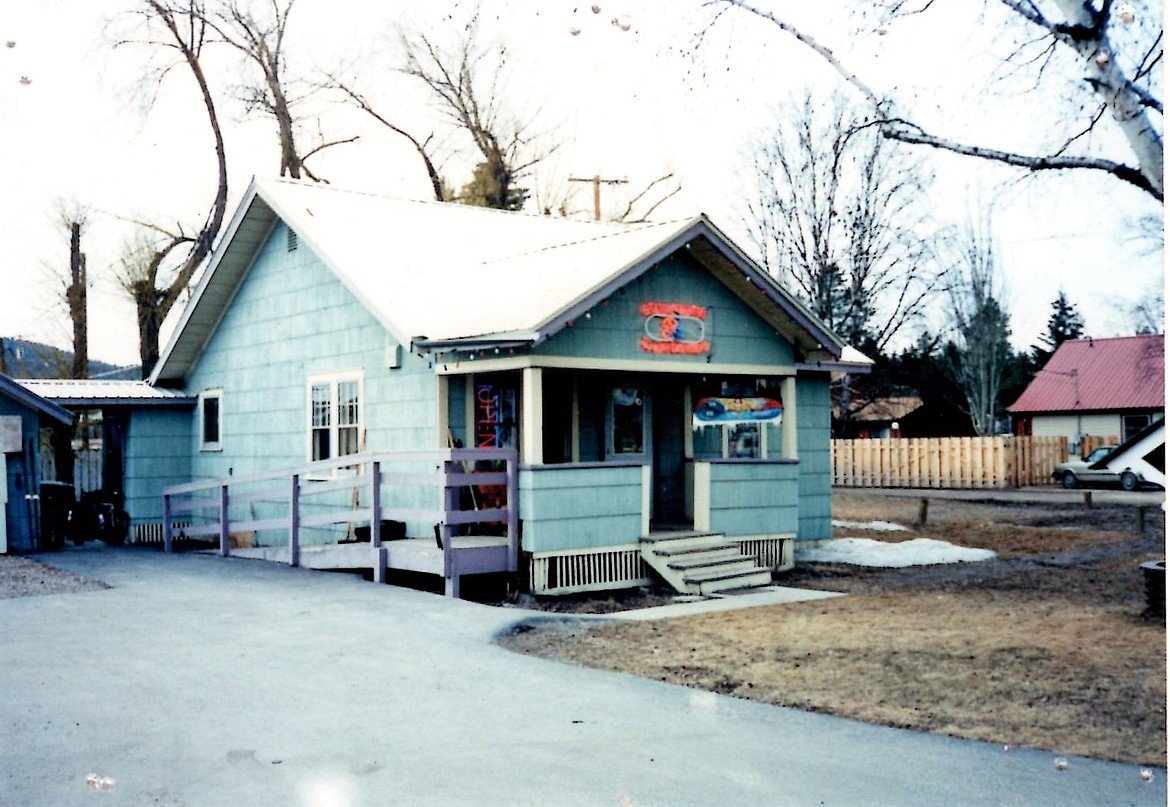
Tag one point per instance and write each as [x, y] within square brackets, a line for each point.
[761, 439]
[333, 381]
[210, 395]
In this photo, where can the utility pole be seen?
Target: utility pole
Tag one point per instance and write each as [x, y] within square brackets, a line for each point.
[597, 183]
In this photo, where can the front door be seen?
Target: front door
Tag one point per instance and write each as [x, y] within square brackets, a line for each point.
[668, 506]
[645, 423]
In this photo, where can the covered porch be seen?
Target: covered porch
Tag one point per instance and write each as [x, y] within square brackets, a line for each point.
[613, 460]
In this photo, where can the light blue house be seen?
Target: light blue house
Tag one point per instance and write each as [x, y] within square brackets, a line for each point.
[656, 403]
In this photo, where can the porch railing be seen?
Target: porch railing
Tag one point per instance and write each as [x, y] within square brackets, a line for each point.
[451, 474]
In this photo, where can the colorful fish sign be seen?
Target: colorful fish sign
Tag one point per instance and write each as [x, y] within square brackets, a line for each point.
[674, 328]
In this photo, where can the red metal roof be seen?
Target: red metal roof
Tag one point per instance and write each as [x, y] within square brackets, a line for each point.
[1099, 374]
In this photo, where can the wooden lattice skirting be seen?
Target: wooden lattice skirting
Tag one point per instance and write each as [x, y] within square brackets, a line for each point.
[617, 567]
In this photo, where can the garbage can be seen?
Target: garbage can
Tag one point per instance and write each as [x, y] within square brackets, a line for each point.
[57, 502]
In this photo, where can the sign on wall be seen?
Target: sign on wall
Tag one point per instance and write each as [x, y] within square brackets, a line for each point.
[11, 435]
[674, 328]
[720, 410]
[495, 416]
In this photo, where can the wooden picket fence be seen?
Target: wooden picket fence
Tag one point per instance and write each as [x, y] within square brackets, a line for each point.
[947, 462]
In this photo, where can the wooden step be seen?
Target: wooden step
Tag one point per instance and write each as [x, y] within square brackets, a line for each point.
[723, 550]
[721, 561]
[751, 579]
[716, 575]
[702, 563]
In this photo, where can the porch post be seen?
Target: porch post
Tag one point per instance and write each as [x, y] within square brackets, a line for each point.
[532, 417]
[788, 446]
[575, 428]
[446, 536]
[442, 407]
[167, 534]
[379, 558]
[702, 496]
[294, 521]
[224, 527]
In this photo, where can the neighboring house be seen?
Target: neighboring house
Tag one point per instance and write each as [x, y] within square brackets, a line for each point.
[650, 378]
[143, 441]
[881, 418]
[1108, 388]
[23, 414]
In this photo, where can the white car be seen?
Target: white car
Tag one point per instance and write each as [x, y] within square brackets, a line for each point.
[1092, 471]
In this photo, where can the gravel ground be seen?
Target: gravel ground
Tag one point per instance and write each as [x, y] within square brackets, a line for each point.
[26, 577]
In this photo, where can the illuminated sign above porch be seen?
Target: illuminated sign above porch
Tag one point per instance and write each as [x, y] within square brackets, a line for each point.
[674, 328]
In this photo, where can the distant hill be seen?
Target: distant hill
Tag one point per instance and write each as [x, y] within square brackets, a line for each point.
[20, 358]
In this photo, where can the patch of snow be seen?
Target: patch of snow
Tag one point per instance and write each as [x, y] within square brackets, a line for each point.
[868, 552]
[873, 526]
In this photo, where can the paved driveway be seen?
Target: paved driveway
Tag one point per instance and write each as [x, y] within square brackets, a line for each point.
[202, 681]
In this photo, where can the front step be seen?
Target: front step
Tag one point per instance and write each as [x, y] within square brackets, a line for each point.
[702, 563]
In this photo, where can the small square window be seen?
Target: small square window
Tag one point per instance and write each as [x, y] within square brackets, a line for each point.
[211, 420]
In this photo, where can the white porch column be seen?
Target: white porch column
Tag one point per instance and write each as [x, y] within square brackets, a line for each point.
[442, 410]
[788, 446]
[531, 417]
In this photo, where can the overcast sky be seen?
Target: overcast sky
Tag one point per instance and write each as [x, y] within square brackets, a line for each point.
[75, 126]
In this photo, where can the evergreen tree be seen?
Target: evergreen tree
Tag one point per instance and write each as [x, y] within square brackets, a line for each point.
[1065, 323]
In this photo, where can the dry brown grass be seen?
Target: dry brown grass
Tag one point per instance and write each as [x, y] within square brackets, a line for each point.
[1019, 652]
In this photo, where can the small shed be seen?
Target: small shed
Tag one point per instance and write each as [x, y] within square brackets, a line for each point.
[23, 414]
[138, 443]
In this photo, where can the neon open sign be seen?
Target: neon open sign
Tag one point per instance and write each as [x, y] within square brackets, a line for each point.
[674, 328]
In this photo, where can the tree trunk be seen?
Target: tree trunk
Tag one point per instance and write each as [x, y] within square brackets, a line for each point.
[76, 297]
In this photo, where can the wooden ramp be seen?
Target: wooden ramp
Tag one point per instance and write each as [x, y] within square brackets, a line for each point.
[702, 563]
[370, 492]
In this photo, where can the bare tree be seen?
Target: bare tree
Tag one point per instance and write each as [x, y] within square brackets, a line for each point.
[980, 352]
[256, 29]
[73, 284]
[77, 294]
[422, 147]
[152, 283]
[837, 216]
[467, 81]
[1109, 51]
[641, 205]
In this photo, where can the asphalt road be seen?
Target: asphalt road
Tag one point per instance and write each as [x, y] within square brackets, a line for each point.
[196, 680]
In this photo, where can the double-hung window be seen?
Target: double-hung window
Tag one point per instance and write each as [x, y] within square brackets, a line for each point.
[335, 416]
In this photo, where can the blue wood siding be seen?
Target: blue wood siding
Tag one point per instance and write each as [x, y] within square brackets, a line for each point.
[573, 507]
[21, 478]
[814, 412]
[292, 318]
[754, 498]
[614, 328]
[157, 454]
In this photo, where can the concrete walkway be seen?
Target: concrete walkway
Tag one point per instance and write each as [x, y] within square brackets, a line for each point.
[202, 681]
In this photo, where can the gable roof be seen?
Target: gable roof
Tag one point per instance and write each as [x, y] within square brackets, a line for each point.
[1099, 375]
[443, 275]
[21, 394]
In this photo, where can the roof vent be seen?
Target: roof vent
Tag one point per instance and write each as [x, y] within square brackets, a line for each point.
[290, 243]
